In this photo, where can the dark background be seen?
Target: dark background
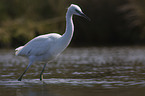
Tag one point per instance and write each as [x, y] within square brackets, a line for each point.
[113, 22]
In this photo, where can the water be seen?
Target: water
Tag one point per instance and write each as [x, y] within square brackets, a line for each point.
[95, 71]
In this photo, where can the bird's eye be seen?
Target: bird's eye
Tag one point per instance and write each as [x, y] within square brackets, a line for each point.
[77, 11]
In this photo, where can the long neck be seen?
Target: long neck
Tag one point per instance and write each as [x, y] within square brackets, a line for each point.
[67, 36]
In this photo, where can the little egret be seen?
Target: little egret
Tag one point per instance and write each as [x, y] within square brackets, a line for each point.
[47, 47]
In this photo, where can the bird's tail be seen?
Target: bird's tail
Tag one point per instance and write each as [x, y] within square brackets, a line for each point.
[18, 50]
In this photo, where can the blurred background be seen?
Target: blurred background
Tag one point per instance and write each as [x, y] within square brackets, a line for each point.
[113, 22]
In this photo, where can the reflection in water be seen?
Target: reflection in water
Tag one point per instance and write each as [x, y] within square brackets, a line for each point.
[83, 71]
[19, 92]
[34, 91]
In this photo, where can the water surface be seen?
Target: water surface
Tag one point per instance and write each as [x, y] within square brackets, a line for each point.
[95, 71]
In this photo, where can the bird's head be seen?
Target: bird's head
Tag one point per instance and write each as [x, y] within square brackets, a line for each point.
[76, 10]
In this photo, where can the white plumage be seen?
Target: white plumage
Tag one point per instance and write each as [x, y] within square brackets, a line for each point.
[39, 46]
[47, 47]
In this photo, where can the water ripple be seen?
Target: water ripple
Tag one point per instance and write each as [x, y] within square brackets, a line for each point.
[74, 82]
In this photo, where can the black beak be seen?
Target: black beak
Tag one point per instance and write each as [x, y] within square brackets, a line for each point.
[83, 15]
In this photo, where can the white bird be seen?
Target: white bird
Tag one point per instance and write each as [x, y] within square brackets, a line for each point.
[47, 47]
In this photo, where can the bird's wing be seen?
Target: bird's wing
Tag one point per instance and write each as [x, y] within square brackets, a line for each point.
[36, 46]
[18, 50]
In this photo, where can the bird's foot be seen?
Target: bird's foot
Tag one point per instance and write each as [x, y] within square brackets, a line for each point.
[41, 77]
[19, 79]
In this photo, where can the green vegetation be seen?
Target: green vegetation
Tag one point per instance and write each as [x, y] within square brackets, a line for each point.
[113, 22]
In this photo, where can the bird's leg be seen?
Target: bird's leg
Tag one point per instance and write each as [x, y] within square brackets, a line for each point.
[41, 74]
[20, 78]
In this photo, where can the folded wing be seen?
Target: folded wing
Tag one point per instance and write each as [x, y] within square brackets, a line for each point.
[36, 46]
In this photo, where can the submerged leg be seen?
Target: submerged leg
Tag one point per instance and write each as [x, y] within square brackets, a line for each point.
[41, 74]
[19, 79]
